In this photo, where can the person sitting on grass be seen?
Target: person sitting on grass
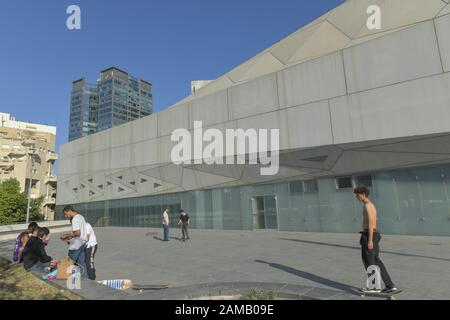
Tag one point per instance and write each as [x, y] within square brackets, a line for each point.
[22, 240]
[34, 256]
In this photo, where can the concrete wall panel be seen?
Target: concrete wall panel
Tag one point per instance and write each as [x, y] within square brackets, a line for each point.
[412, 108]
[309, 125]
[210, 109]
[253, 97]
[311, 81]
[121, 157]
[145, 128]
[271, 120]
[404, 55]
[443, 33]
[145, 153]
[173, 118]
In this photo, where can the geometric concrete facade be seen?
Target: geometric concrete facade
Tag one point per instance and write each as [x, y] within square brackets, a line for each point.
[345, 99]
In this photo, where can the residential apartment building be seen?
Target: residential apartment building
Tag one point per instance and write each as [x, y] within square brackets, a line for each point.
[27, 153]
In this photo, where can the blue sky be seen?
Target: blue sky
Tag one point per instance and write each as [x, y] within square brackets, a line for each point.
[167, 42]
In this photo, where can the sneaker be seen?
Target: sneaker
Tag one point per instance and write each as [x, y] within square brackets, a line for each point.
[389, 290]
[367, 290]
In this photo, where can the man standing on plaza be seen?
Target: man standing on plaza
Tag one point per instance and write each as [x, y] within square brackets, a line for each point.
[184, 220]
[370, 238]
[166, 224]
[91, 249]
[77, 243]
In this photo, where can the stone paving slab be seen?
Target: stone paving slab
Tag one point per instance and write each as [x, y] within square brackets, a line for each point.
[297, 292]
[418, 265]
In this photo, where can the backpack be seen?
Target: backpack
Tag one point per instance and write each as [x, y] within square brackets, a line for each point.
[17, 246]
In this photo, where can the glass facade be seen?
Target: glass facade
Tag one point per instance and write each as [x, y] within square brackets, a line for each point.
[83, 110]
[117, 98]
[409, 201]
[123, 98]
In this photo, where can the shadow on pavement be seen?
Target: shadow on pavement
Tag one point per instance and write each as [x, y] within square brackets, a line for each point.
[359, 248]
[312, 277]
[170, 238]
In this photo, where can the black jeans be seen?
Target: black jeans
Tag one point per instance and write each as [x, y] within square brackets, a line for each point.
[184, 230]
[372, 257]
[90, 254]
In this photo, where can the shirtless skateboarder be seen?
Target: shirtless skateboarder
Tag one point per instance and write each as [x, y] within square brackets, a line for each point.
[370, 239]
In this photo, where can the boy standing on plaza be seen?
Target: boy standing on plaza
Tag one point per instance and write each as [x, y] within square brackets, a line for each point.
[91, 250]
[166, 224]
[370, 238]
[184, 220]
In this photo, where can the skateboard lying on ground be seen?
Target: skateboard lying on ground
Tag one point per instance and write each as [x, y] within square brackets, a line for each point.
[389, 296]
[142, 287]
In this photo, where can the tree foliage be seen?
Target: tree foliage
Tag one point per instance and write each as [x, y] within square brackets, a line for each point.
[13, 203]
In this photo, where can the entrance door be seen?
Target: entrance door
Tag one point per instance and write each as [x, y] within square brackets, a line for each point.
[265, 214]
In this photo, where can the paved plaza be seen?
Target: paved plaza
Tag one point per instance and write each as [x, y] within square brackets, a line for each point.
[418, 265]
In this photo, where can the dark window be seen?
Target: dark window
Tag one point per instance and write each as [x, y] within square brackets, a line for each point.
[311, 186]
[344, 183]
[296, 187]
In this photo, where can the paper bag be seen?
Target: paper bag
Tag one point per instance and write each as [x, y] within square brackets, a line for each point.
[62, 273]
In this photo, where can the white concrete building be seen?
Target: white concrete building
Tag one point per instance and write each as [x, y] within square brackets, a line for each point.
[353, 106]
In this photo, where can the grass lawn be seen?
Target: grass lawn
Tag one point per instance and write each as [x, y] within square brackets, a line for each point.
[18, 284]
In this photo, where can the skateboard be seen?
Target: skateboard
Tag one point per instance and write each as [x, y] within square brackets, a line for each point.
[388, 296]
[142, 287]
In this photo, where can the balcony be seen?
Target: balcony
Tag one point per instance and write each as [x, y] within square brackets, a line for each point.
[52, 156]
[28, 142]
[49, 201]
[17, 153]
[6, 175]
[52, 191]
[50, 179]
[6, 163]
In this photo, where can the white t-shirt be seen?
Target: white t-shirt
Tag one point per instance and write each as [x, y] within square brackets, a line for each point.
[92, 238]
[78, 223]
[165, 218]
